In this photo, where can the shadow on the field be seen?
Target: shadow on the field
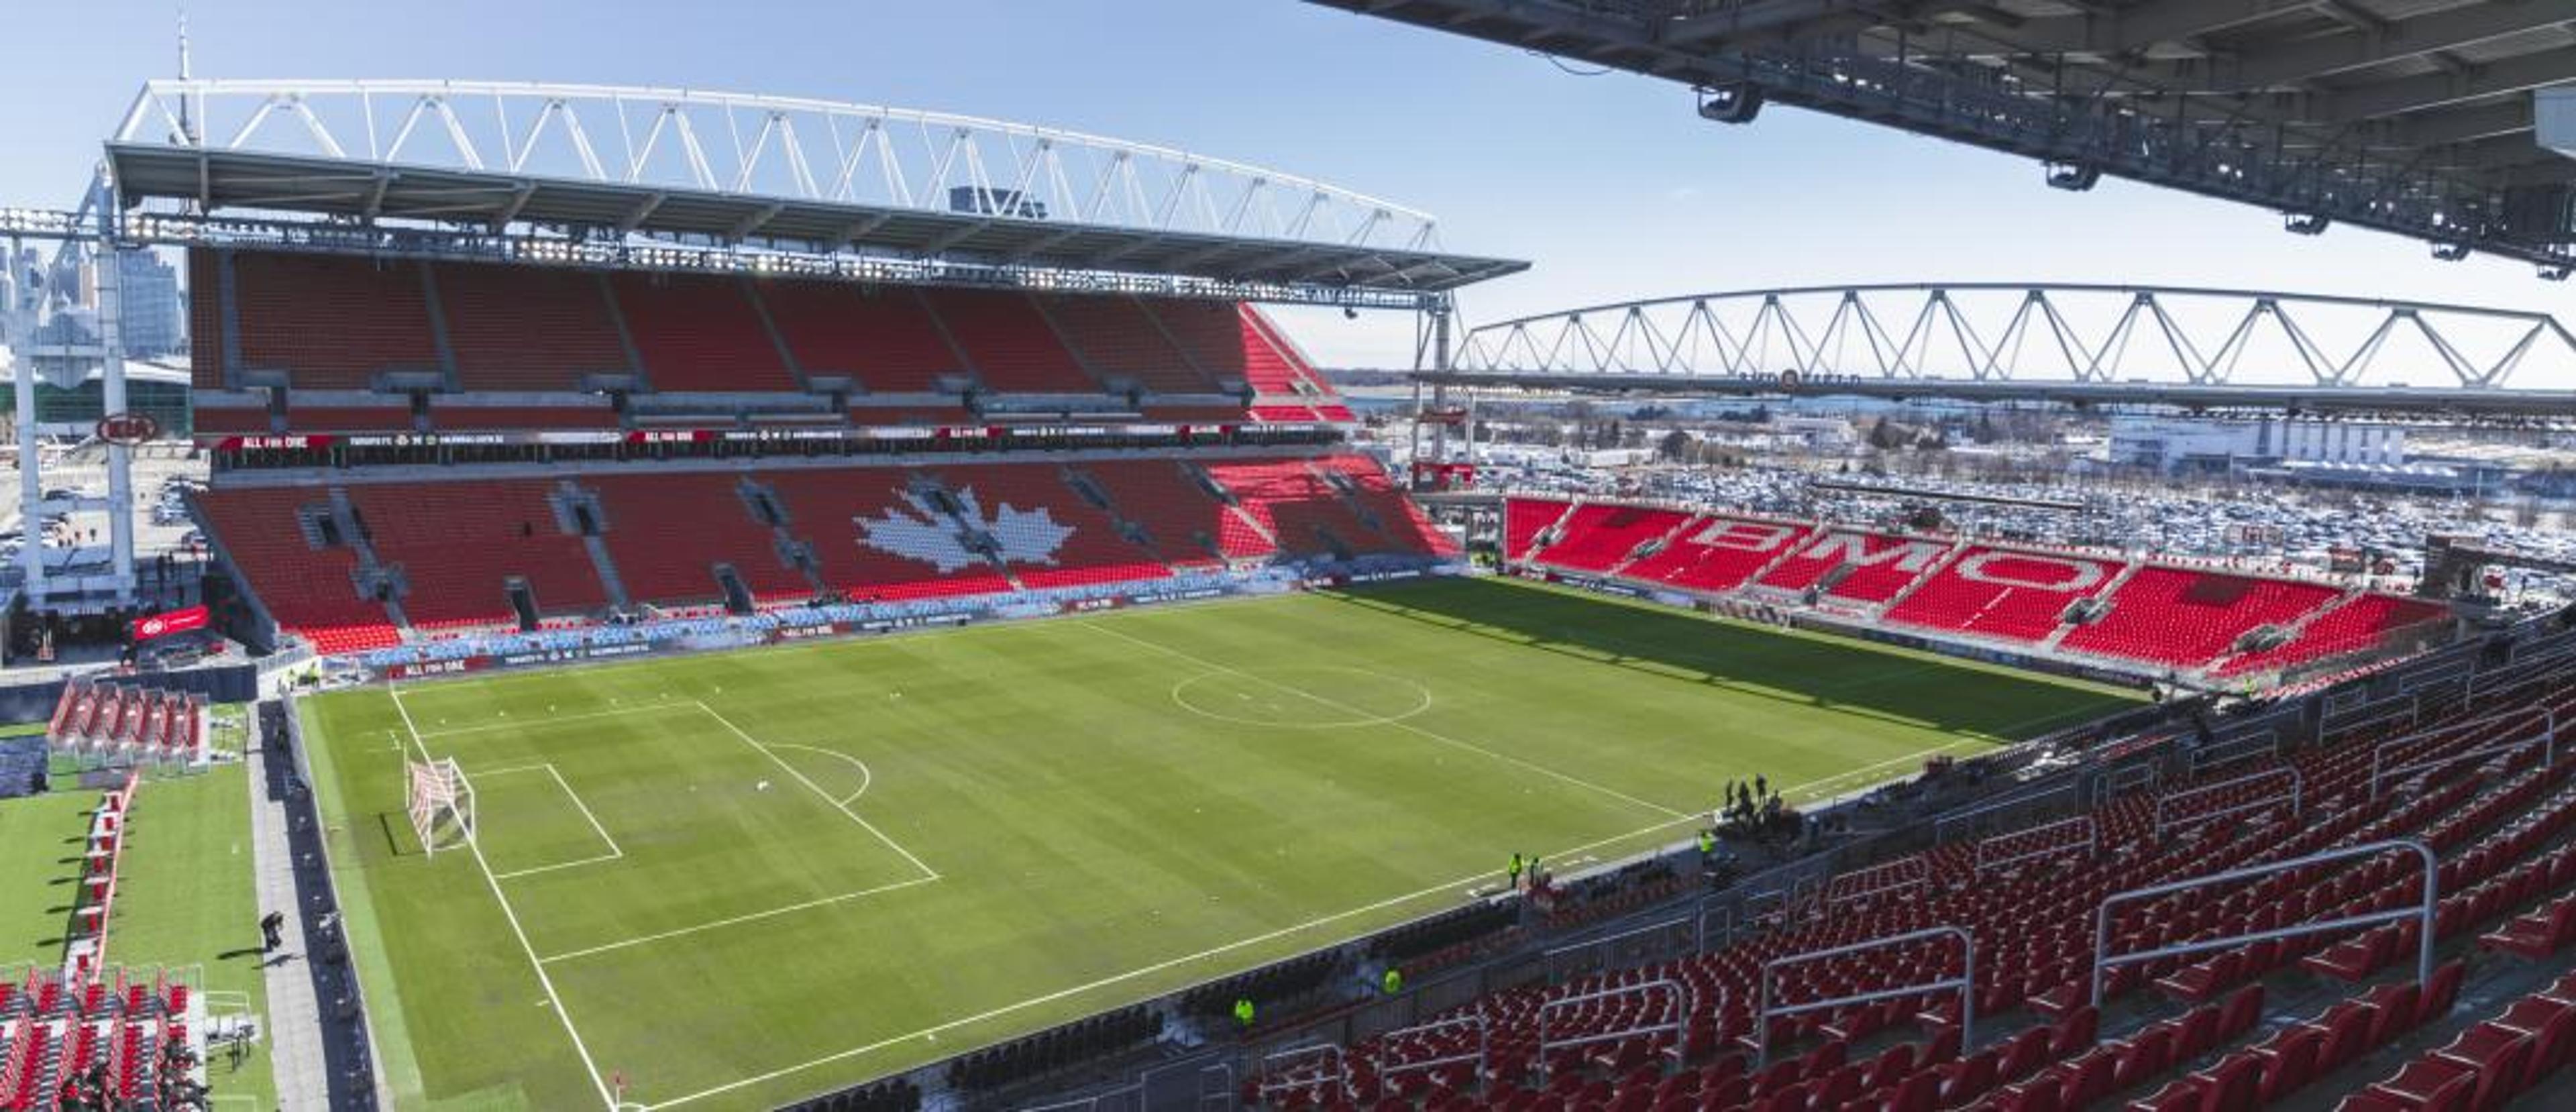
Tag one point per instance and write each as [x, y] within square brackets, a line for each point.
[1813, 671]
[385, 823]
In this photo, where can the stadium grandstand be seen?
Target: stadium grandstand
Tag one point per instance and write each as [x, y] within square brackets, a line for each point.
[888, 615]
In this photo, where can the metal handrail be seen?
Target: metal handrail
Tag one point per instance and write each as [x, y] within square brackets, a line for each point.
[1550, 955]
[2297, 797]
[1922, 876]
[2547, 741]
[2092, 841]
[2104, 960]
[1484, 1042]
[1677, 1025]
[1335, 1062]
[1712, 905]
[2411, 711]
[1965, 982]
[1942, 823]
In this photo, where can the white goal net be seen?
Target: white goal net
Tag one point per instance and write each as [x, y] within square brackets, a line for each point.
[440, 801]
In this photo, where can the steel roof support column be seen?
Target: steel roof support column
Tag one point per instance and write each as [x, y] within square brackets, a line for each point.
[31, 484]
[111, 328]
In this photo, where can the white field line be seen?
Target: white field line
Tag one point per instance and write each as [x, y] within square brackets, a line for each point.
[576, 863]
[1359, 712]
[551, 719]
[867, 778]
[1458, 885]
[926, 871]
[606, 1098]
[614, 853]
[737, 920]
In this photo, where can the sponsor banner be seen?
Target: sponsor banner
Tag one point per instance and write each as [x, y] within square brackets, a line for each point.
[740, 435]
[1148, 598]
[669, 436]
[170, 621]
[1091, 605]
[922, 622]
[425, 668]
[1384, 576]
[785, 634]
[1604, 586]
[127, 428]
[781, 434]
[295, 443]
[564, 656]
[427, 439]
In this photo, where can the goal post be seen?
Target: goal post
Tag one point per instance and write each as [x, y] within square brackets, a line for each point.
[434, 791]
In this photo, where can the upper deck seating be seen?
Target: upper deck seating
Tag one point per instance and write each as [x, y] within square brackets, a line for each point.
[329, 322]
[519, 328]
[1011, 344]
[881, 337]
[699, 333]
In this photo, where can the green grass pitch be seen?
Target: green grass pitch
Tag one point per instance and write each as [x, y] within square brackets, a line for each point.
[734, 880]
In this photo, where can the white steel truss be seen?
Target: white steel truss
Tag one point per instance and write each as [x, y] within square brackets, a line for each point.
[2035, 332]
[794, 149]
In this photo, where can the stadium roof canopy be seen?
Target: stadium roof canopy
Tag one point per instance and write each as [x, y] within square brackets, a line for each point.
[2410, 116]
[713, 168]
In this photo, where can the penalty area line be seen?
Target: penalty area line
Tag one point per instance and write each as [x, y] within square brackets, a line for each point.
[736, 920]
[538, 723]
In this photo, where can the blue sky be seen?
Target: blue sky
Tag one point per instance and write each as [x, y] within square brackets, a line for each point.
[1610, 184]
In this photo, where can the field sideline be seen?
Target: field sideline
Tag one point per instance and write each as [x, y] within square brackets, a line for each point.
[735, 880]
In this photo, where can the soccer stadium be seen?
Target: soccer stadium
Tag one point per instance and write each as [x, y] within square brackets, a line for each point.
[542, 596]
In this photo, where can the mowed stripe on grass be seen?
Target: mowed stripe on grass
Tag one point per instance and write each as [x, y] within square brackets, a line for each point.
[1112, 807]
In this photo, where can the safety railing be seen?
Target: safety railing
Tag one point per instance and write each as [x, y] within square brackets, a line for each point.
[1947, 825]
[2016, 847]
[1632, 947]
[2546, 718]
[1304, 1067]
[1902, 874]
[2371, 716]
[2113, 783]
[2104, 960]
[1432, 1031]
[2167, 823]
[1714, 906]
[2220, 754]
[1765, 1009]
[1673, 996]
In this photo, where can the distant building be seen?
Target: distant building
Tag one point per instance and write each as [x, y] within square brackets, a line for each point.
[154, 310]
[2227, 444]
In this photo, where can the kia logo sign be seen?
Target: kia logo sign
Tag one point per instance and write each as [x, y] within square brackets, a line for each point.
[127, 428]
